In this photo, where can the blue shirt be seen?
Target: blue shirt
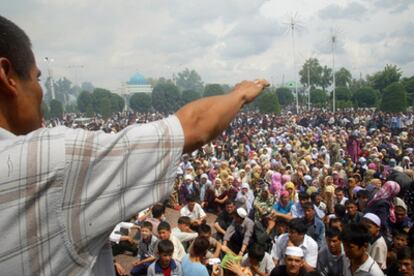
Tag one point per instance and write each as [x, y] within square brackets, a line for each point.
[284, 210]
[189, 268]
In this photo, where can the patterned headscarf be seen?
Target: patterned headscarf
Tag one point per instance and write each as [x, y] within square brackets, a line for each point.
[387, 192]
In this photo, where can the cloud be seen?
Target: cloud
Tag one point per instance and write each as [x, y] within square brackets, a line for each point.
[396, 6]
[250, 37]
[352, 11]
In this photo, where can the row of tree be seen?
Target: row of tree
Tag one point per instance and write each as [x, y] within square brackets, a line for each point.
[386, 90]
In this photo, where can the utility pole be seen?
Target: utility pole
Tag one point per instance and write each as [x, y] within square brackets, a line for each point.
[48, 61]
[308, 86]
[292, 29]
[333, 40]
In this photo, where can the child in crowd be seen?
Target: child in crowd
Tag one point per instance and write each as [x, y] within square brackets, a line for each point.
[183, 231]
[215, 246]
[165, 264]
[378, 247]
[146, 248]
[164, 233]
[259, 261]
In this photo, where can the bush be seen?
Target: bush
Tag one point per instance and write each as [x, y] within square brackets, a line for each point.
[394, 98]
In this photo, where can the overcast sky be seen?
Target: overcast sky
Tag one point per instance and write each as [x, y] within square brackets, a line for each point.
[106, 41]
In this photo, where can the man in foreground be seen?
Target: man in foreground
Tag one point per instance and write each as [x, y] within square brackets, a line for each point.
[64, 190]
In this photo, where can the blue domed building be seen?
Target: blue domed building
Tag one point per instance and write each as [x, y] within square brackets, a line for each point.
[136, 84]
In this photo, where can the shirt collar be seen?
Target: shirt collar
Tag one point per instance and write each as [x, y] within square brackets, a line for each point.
[158, 268]
[5, 134]
[367, 265]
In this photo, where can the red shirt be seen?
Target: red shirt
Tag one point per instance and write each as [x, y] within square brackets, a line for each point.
[167, 271]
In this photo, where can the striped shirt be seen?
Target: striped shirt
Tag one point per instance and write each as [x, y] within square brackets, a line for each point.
[63, 190]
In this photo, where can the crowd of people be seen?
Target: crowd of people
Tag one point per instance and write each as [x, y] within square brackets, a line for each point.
[309, 194]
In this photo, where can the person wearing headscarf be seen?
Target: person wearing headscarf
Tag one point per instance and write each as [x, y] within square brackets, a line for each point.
[276, 186]
[291, 189]
[382, 203]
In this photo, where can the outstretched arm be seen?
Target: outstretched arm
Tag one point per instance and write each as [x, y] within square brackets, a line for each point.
[204, 119]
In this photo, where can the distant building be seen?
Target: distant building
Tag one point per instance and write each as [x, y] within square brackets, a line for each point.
[136, 84]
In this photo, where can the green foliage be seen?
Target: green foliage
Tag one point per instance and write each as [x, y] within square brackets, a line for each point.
[366, 97]
[315, 72]
[343, 77]
[268, 102]
[85, 103]
[384, 78]
[105, 103]
[285, 96]
[140, 102]
[71, 108]
[341, 104]
[45, 111]
[56, 109]
[117, 103]
[326, 78]
[342, 93]
[213, 90]
[87, 86]
[394, 98]
[189, 96]
[166, 97]
[318, 97]
[189, 80]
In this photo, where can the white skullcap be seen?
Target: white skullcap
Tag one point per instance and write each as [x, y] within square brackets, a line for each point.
[188, 177]
[204, 176]
[294, 251]
[245, 186]
[242, 212]
[373, 218]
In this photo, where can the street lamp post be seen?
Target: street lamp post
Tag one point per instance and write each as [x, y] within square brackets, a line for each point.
[48, 61]
[333, 72]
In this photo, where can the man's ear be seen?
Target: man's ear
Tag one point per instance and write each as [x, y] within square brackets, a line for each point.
[8, 77]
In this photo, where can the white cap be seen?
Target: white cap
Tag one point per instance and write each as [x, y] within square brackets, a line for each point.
[204, 176]
[373, 218]
[242, 212]
[245, 186]
[400, 203]
[188, 177]
[294, 251]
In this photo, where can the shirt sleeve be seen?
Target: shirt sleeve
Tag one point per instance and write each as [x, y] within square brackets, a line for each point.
[312, 254]
[248, 233]
[229, 232]
[109, 177]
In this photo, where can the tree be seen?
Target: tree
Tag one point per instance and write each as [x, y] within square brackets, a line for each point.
[342, 93]
[269, 103]
[285, 96]
[85, 103]
[394, 98]
[343, 77]
[140, 102]
[45, 110]
[56, 109]
[366, 97]
[166, 97]
[384, 78]
[326, 78]
[213, 90]
[189, 96]
[408, 84]
[62, 89]
[87, 86]
[318, 97]
[315, 73]
[189, 80]
[117, 103]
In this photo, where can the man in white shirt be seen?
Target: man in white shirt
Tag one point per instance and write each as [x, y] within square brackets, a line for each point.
[194, 211]
[297, 237]
[355, 238]
[183, 231]
[121, 239]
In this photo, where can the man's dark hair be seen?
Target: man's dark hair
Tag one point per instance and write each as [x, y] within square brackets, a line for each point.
[307, 205]
[405, 253]
[146, 224]
[362, 193]
[191, 198]
[303, 196]
[164, 226]
[339, 189]
[400, 233]
[298, 225]
[204, 229]
[333, 232]
[314, 195]
[165, 247]
[184, 220]
[200, 247]
[228, 202]
[15, 45]
[157, 210]
[351, 201]
[256, 252]
[356, 234]
[339, 210]
[282, 221]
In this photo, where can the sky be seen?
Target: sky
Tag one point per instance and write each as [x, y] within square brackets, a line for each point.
[225, 41]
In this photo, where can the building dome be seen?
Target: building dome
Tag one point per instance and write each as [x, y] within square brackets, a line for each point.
[137, 79]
